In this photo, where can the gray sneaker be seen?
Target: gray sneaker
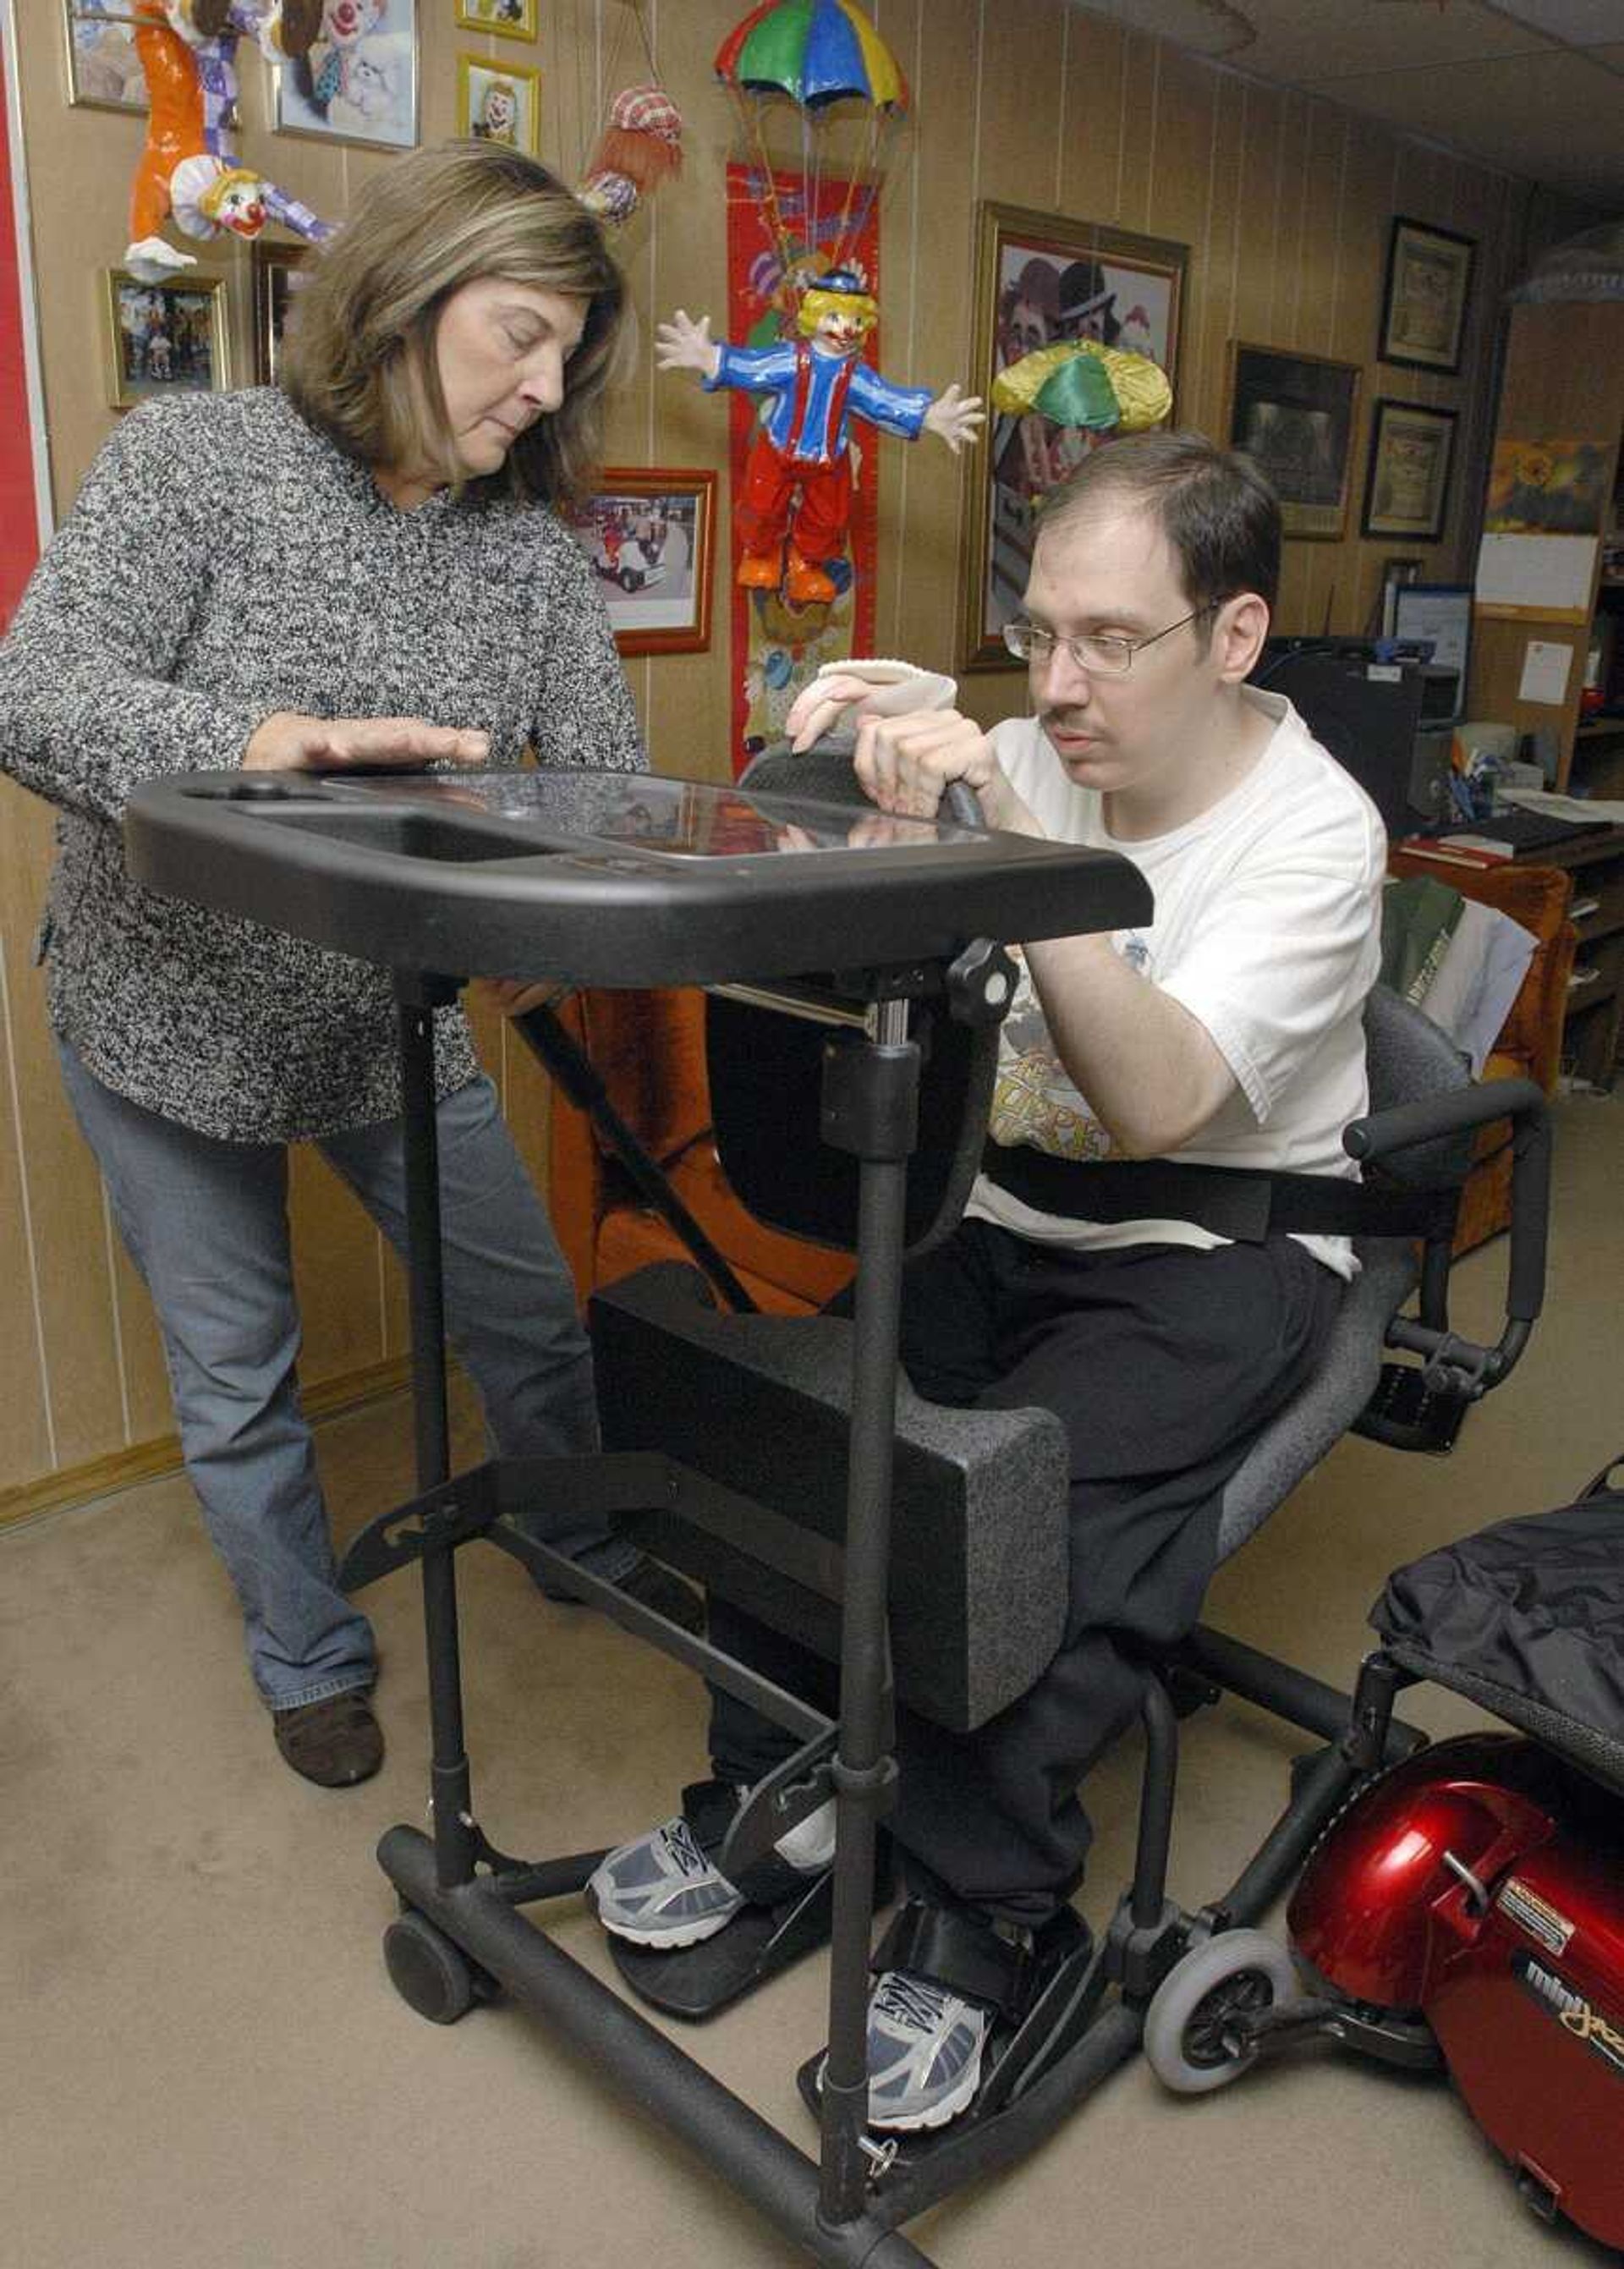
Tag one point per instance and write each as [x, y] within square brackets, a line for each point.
[665, 1892]
[662, 1891]
[925, 2047]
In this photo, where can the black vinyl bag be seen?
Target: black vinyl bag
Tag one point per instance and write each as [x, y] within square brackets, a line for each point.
[1527, 1619]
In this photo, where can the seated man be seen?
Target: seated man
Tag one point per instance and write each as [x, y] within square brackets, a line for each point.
[1227, 1031]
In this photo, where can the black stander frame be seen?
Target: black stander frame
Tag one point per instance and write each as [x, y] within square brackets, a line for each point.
[846, 2206]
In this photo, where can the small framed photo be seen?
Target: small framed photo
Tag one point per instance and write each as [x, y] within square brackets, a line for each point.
[1406, 491]
[509, 20]
[276, 270]
[1424, 301]
[104, 69]
[164, 338]
[650, 537]
[363, 90]
[499, 102]
[1293, 416]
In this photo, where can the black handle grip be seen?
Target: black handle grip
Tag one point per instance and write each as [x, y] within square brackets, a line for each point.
[961, 805]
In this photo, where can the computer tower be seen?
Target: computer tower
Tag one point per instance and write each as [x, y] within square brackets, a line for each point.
[1368, 713]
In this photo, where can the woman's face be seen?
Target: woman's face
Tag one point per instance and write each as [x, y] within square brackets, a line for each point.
[502, 351]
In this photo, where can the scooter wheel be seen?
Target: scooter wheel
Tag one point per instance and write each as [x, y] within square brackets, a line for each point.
[431, 1975]
[1191, 2043]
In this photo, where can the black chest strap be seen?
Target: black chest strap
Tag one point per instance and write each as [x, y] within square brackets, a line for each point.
[1244, 1203]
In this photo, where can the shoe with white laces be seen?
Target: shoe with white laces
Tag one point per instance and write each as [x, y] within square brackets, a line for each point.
[664, 1890]
[924, 2046]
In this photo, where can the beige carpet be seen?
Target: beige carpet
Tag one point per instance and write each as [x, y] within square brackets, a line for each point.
[202, 2062]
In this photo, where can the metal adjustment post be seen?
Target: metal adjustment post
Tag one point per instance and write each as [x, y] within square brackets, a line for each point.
[871, 1107]
[455, 1835]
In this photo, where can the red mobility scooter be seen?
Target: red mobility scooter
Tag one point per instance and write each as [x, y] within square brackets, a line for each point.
[1466, 1911]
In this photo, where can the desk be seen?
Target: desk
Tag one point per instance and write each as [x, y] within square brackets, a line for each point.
[1596, 986]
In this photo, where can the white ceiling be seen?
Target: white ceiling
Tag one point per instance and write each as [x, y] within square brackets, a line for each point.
[1535, 87]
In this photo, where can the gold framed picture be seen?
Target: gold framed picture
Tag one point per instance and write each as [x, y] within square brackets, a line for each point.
[104, 69]
[499, 102]
[163, 338]
[509, 20]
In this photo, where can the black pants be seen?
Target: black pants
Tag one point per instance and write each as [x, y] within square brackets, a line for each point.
[1163, 1364]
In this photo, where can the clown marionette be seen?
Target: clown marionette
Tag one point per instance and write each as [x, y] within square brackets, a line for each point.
[188, 171]
[797, 483]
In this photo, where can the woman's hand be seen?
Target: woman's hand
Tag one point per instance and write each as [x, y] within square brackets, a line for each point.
[288, 742]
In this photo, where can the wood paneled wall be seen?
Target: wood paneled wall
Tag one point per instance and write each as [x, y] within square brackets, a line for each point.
[1283, 201]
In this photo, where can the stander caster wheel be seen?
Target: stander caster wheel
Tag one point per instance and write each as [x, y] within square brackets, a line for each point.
[431, 1975]
[1190, 2040]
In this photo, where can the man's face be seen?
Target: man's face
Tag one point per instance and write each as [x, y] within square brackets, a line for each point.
[1112, 571]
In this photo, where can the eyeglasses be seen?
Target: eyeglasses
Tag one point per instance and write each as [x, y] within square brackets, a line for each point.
[1102, 651]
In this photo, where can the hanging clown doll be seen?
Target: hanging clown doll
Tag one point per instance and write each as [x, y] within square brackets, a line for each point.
[188, 170]
[815, 76]
[795, 505]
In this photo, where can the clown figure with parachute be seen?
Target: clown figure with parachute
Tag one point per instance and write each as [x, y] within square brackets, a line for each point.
[814, 66]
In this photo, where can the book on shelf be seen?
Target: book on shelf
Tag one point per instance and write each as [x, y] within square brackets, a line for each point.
[1459, 850]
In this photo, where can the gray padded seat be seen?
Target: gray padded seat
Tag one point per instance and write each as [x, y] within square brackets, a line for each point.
[758, 1405]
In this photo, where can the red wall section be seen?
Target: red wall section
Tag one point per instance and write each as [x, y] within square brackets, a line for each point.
[18, 523]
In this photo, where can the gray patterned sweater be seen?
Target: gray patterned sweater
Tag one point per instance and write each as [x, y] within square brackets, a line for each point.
[225, 560]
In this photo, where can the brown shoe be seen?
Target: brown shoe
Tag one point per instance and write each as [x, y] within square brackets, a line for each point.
[333, 1743]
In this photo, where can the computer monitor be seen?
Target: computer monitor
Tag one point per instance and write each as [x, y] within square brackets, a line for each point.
[1367, 713]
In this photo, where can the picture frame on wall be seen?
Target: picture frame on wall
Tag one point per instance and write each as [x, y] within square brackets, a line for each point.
[509, 20]
[1042, 279]
[650, 533]
[500, 101]
[1425, 297]
[1407, 486]
[1294, 415]
[363, 93]
[163, 338]
[276, 270]
[104, 69]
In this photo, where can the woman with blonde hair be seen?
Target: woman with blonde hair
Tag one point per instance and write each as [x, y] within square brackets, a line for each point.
[363, 566]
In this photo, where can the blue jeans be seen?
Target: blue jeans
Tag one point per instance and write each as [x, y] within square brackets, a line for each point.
[205, 1222]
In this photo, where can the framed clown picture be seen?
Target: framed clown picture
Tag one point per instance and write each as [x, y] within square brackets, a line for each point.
[1043, 281]
[499, 102]
[358, 82]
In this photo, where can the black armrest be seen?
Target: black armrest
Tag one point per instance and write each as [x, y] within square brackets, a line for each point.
[1453, 1364]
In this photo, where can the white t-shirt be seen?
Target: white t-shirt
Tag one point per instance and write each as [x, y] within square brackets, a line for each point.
[1266, 928]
